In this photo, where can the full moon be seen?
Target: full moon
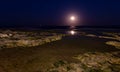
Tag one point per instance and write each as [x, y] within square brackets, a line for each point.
[72, 18]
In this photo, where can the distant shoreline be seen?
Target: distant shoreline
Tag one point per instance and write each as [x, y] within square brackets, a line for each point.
[59, 27]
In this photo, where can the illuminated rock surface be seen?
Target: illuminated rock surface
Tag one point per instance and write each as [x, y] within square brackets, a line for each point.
[90, 62]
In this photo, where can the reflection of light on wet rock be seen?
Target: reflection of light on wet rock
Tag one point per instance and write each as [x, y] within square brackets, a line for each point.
[90, 62]
[106, 35]
[72, 32]
[111, 35]
[27, 39]
[91, 35]
[100, 61]
[114, 43]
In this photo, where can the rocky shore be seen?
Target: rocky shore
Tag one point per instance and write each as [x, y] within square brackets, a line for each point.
[90, 62]
[11, 39]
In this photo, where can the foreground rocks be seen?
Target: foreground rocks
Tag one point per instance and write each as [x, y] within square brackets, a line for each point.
[90, 62]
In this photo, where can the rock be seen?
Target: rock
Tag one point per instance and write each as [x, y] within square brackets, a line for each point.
[116, 44]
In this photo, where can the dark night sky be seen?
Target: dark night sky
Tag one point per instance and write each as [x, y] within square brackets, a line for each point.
[52, 12]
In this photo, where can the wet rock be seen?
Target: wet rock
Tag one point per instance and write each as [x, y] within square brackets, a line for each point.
[116, 44]
[91, 35]
[90, 62]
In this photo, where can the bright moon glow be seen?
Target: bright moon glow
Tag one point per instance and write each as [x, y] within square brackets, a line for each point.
[72, 18]
[72, 32]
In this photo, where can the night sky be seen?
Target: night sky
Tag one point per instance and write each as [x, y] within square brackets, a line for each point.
[53, 12]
